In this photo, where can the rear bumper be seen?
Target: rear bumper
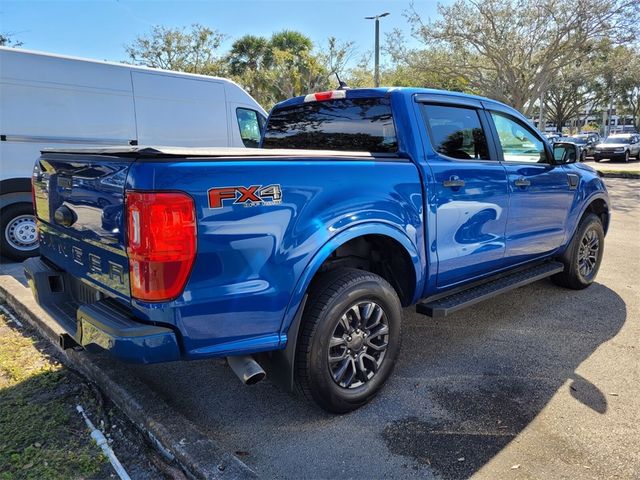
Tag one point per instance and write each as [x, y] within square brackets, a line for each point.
[98, 324]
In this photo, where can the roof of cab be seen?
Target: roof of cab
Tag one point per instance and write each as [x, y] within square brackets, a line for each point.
[385, 91]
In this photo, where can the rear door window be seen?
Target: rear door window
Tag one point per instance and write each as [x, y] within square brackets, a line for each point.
[358, 124]
[456, 132]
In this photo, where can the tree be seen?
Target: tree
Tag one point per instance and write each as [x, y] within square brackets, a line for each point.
[285, 65]
[249, 53]
[510, 50]
[291, 41]
[192, 51]
[407, 67]
[419, 67]
[294, 69]
[6, 40]
[336, 55]
[568, 95]
[626, 87]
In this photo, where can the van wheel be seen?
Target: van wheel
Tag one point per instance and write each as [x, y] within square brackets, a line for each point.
[19, 239]
[583, 256]
[350, 339]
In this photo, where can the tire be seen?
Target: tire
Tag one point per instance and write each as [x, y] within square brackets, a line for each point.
[583, 157]
[18, 237]
[575, 275]
[335, 299]
[597, 160]
[626, 156]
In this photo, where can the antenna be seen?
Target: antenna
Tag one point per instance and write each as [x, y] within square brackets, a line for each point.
[342, 85]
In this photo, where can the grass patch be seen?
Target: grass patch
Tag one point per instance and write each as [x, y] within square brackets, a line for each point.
[41, 434]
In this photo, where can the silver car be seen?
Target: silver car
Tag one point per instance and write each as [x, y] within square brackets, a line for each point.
[619, 147]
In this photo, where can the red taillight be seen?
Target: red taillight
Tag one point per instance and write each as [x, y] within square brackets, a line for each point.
[161, 243]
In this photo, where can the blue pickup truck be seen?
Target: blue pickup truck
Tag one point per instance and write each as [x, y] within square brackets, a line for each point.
[297, 257]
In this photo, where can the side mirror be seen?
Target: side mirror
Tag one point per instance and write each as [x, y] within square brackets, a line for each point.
[564, 152]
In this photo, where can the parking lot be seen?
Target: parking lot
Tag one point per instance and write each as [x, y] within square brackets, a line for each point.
[536, 383]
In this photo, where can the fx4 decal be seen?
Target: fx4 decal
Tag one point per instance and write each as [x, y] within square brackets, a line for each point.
[252, 196]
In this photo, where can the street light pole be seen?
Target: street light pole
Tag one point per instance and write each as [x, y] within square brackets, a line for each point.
[376, 74]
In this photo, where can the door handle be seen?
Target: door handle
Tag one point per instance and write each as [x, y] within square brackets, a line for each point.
[453, 182]
[522, 182]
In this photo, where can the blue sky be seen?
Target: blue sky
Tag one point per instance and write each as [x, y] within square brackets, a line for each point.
[100, 28]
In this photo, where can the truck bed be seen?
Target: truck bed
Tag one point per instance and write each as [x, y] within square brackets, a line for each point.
[158, 152]
[250, 246]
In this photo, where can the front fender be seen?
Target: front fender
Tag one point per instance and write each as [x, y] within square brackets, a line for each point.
[578, 212]
[354, 231]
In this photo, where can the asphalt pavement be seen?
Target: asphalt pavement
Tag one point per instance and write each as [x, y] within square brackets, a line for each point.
[541, 382]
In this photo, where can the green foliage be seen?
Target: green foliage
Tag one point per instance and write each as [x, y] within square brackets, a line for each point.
[516, 51]
[6, 40]
[271, 69]
[511, 49]
[625, 88]
[191, 51]
[285, 65]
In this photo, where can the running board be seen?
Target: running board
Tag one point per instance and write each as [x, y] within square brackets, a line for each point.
[460, 299]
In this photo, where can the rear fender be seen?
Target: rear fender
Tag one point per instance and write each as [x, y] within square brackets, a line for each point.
[282, 361]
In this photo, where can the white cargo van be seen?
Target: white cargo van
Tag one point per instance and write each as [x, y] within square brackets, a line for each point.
[56, 101]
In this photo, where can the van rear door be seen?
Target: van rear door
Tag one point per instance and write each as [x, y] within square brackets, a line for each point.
[179, 111]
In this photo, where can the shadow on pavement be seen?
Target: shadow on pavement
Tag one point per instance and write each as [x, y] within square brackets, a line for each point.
[13, 268]
[464, 387]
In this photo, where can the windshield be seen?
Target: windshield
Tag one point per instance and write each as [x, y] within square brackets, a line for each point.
[359, 124]
[580, 140]
[618, 140]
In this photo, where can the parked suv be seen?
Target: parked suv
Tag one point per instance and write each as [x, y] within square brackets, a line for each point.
[619, 147]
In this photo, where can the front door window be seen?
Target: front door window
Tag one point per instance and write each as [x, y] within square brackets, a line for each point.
[518, 143]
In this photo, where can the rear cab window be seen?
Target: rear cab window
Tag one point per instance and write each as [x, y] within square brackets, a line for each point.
[351, 124]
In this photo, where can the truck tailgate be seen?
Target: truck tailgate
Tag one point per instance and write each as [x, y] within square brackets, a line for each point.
[79, 202]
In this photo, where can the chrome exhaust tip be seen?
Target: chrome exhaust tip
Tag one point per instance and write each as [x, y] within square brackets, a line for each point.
[246, 369]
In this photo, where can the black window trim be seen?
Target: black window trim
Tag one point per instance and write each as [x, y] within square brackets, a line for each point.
[441, 100]
[498, 145]
[449, 100]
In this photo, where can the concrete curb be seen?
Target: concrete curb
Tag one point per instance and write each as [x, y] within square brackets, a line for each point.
[177, 438]
[619, 174]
